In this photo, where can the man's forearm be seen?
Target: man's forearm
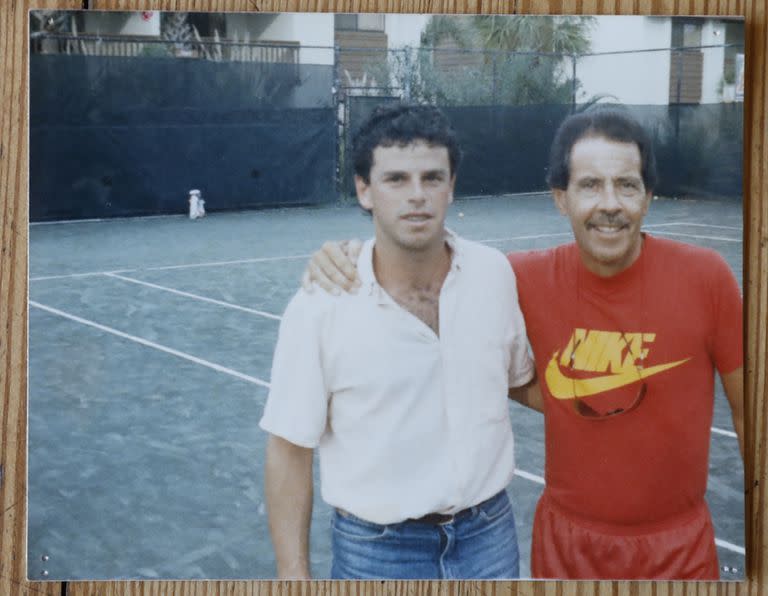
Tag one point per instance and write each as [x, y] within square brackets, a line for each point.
[528, 395]
[288, 488]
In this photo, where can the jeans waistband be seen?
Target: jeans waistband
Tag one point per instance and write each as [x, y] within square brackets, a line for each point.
[439, 519]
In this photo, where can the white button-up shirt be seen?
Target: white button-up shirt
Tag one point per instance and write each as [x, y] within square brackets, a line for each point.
[406, 422]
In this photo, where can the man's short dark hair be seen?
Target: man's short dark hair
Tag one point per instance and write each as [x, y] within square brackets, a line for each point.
[403, 124]
[612, 124]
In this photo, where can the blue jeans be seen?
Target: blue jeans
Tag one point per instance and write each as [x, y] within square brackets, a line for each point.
[481, 545]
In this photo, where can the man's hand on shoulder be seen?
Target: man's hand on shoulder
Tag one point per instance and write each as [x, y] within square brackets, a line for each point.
[334, 268]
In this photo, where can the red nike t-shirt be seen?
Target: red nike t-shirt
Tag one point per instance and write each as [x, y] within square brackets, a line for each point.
[679, 308]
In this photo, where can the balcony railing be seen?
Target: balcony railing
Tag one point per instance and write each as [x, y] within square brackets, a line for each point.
[154, 47]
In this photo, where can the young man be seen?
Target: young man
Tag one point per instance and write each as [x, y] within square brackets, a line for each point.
[627, 331]
[402, 387]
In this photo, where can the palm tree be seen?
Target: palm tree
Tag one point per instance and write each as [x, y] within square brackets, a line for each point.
[447, 30]
[556, 34]
[501, 73]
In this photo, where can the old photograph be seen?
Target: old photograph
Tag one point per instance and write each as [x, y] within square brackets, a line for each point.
[350, 296]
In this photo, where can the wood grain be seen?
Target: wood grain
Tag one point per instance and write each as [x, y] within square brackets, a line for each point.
[13, 296]
[13, 309]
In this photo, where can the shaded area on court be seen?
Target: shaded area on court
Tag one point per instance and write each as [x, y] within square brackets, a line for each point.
[145, 456]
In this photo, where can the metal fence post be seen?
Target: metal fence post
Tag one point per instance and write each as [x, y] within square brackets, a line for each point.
[407, 79]
[494, 83]
[574, 57]
[338, 110]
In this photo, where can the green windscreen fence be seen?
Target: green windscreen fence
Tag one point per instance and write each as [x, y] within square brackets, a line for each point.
[506, 148]
[122, 136]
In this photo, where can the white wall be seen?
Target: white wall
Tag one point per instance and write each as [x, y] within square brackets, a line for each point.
[631, 78]
[309, 29]
[122, 23]
[404, 29]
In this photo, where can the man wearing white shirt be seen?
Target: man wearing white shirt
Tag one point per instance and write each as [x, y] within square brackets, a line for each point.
[402, 387]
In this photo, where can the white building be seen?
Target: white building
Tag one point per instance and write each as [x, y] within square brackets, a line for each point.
[631, 58]
[698, 75]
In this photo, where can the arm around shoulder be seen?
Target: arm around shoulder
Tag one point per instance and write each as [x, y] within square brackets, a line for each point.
[528, 395]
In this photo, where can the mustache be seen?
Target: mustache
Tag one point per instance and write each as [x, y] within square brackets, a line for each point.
[607, 219]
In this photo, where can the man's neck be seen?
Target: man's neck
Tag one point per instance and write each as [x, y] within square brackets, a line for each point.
[397, 268]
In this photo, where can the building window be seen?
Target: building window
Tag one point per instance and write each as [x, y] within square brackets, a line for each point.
[359, 22]
[686, 65]
[685, 34]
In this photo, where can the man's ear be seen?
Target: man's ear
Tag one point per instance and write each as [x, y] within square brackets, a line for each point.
[362, 189]
[453, 185]
[560, 199]
[648, 197]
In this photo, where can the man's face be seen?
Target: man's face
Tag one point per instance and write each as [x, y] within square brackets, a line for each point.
[409, 191]
[606, 202]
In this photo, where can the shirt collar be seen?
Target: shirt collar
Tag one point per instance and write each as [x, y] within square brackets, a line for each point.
[368, 281]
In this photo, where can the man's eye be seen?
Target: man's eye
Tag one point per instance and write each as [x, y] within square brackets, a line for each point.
[630, 185]
[589, 184]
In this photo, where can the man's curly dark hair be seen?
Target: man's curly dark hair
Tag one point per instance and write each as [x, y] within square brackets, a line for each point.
[403, 124]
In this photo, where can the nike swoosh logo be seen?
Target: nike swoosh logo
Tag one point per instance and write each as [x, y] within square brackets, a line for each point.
[563, 387]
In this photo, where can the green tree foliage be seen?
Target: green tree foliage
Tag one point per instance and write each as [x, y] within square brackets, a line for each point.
[561, 35]
[50, 21]
[486, 60]
[176, 28]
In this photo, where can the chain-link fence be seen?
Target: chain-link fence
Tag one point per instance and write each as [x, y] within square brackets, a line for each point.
[506, 107]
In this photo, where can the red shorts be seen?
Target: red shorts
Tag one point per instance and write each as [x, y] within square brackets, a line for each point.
[567, 547]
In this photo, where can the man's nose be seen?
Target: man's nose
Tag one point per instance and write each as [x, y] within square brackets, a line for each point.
[609, 198]
[416, 192]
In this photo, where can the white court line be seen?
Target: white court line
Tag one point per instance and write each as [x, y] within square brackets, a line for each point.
[720, 238]
[727, 433]
[261, 313]
[730, 546]
[68, 275]
[151, 344]
[533, 237]
[660, 232]
[218, 263]
[690, 223]
[106, 219]
[63, 221]
[529, 476]
[165, 267]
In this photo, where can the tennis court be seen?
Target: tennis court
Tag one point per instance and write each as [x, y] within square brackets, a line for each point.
[150, 346]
